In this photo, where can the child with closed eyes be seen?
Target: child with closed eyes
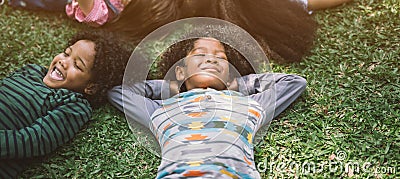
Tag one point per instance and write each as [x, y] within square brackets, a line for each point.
[43, 108]
[206, 122]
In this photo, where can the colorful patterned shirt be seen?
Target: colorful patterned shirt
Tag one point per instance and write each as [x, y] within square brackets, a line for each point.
[208, 134]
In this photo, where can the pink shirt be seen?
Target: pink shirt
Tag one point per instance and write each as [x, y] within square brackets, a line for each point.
[99, 15]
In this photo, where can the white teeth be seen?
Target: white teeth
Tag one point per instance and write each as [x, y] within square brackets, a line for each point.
[59, 73]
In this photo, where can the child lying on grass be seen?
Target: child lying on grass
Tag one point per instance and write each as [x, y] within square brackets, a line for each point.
[206, 130]
[43, 108]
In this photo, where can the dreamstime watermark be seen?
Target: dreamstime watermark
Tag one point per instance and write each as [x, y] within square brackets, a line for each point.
[336, 164]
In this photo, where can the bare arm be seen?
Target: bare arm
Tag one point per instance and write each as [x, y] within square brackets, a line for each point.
[324, 4]
[86, 6]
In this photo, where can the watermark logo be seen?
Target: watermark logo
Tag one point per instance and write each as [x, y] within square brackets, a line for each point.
[341, 155]
[337, 164]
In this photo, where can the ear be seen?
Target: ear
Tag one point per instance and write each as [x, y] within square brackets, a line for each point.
[180, 73]
[91, 89]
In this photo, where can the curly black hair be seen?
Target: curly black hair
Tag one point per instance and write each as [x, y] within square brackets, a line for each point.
[181, 49]
[112, 54]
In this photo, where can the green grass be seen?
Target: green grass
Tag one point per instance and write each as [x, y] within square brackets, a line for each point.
[349, 113]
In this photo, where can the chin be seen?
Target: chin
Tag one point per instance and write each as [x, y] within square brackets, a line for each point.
[205, 81]
[47, 82]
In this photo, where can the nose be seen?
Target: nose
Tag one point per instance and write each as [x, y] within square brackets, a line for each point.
[64, 62]
[211, 59]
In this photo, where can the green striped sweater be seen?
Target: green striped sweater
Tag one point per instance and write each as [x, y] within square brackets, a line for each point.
[35, 119]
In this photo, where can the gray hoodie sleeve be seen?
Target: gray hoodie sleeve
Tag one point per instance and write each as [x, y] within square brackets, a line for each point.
[140, 100]
[274, 91]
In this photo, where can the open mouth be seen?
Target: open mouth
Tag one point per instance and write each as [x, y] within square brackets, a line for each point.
[56, 74]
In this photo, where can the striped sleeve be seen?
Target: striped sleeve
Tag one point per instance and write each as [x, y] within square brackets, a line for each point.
[47, 133]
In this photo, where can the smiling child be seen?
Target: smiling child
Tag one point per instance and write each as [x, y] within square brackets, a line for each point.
[43, 108]
[207, 124]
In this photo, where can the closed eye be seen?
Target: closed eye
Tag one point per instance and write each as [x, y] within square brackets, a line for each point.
[65, 54]
[200, 55]
[76, 66]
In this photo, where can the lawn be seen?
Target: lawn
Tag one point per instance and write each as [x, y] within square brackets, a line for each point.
[346, 124]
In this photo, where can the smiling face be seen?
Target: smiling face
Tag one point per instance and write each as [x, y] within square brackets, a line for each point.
[206, 66]
[72, 69]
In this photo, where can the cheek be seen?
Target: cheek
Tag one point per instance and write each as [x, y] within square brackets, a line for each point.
[192, 69]
[226, 71]
[77, 76]
[78, 82]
